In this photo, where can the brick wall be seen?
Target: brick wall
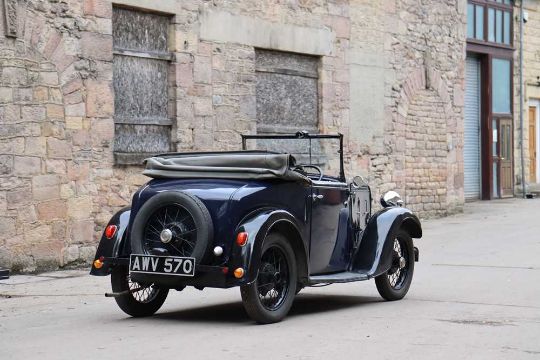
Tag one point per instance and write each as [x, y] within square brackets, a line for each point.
[390, 79]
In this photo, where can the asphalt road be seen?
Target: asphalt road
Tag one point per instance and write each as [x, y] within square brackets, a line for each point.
[475, 295]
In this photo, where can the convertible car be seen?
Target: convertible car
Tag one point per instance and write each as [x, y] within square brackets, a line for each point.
[269, 222]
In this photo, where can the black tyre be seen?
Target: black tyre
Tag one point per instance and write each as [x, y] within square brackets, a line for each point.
[269, 298]
[143, 302]
[172, 223]
[394, 284]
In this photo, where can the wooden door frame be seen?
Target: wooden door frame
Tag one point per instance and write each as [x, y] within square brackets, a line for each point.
[486, 54]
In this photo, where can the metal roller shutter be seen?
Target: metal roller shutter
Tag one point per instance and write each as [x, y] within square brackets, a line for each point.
[471, 148]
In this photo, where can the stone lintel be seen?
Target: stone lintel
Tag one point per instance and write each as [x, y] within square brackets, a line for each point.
[225, 27]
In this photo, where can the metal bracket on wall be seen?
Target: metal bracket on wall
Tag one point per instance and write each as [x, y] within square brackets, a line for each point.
[10, 12]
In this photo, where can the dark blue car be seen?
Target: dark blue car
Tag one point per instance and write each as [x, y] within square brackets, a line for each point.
[267, 220]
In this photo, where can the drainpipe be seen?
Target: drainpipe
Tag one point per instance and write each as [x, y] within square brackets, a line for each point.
[521, 105]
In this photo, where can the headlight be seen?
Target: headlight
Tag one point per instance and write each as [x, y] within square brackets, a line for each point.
[391, 198]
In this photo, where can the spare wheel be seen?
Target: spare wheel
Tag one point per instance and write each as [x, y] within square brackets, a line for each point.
[172, 223]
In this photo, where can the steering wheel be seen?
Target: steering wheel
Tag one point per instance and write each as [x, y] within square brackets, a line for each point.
[301, 167]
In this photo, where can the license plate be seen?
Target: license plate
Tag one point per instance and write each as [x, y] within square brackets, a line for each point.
[164, 265]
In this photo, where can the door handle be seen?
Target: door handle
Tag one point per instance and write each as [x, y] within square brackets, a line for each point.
[317, 197]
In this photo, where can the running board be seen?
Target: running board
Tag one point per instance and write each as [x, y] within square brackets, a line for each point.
[342, 277]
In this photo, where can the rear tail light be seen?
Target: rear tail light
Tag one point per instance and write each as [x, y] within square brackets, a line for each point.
[241, 238]
[110, 231]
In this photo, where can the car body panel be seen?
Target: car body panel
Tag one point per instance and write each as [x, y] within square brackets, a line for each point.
[377, 240]
[110, 248]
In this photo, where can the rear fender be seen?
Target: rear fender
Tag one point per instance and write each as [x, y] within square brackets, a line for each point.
[373, 255]
[109, 248]
[248, 256]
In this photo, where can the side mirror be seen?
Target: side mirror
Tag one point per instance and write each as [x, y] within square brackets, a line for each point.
[358, 181]
[391, 198]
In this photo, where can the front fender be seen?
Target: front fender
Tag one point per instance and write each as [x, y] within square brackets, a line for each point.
[258, 226]
[373, 255]
[109, 248]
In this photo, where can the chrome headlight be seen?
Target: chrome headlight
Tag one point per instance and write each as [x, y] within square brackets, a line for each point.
[391, 198]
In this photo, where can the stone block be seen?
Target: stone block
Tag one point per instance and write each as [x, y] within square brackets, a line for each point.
[48, 77]
[55, 111]
[55, 166]
[46, 187]
[6, 94]
[203, 106]
[27, 214]
[6, 164]
[16, 199]
[39, 234]
[96, 46]
[53, 209]
[14, 76]
[55, 95]
[87, 253]
[58, 149]
[7, 227]
[41, 94]
[78, 110]
[99, 99]
[10, 113]
[80, 207]
[78, 171]
[35, 146]
[98, 8]
[27, 165]
[23, 94]
[81, 231]
[70, 254]
[74, 122]
[202, 70]
[33, 113]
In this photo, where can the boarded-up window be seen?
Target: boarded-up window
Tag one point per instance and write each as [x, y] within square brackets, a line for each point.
[286, 92]
[141, 62]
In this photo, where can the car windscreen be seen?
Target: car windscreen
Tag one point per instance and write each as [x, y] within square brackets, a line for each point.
[321, 152]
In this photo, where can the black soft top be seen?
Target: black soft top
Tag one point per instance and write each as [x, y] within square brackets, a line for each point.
[224, 165]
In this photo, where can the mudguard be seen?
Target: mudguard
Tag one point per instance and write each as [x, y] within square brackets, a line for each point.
[258, 226]
[109, 248]
[377, 240]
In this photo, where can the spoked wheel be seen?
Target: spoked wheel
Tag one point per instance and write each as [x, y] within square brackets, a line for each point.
[269, 298]
[172, 230]
[394, 284]
[141, 300]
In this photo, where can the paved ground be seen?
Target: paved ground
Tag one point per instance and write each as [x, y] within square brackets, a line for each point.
[475, 296]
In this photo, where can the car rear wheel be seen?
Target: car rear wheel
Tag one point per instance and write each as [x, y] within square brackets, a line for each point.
[138, 300]
[269, 298]
[395, 283]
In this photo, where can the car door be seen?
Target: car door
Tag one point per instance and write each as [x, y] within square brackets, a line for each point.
[328, 205]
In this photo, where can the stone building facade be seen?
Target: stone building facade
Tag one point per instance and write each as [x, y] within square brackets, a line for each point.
[387, 74]
[531, 93]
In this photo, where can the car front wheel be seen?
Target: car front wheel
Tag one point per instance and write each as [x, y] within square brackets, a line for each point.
[394, 284]
[137, 300]
[269, 298]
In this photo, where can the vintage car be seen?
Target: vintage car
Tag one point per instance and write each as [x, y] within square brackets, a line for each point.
[257, 219]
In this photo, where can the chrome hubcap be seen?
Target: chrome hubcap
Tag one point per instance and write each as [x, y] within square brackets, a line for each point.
[402, 262]
[166, 236]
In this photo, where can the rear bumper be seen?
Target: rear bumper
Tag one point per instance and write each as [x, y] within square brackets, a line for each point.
[205, 276]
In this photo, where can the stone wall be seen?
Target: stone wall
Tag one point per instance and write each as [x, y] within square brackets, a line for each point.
[390, 79]
[531, 73]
